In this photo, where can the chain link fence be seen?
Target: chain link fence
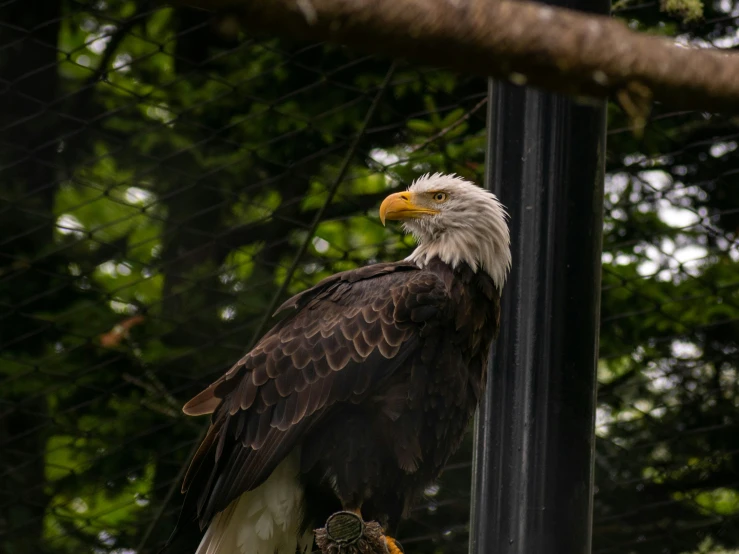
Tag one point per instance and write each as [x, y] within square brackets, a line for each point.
[167, 180]
[667, 474]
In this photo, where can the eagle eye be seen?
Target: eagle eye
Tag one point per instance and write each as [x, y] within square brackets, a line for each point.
[439, 196]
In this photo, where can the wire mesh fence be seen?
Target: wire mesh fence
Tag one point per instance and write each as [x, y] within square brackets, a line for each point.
[166, 181]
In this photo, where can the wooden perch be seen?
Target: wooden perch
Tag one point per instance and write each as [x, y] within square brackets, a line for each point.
[346, 533]
[522, 41]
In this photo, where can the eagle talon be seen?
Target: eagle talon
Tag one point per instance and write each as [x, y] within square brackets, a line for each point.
[393, 546]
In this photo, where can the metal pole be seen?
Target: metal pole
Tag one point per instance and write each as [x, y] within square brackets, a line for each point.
[532, 481]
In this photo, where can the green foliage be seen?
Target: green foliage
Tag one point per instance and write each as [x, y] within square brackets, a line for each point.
[687, 10]
[148, 241]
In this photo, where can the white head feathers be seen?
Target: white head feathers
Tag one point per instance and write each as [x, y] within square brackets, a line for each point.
[469, 225]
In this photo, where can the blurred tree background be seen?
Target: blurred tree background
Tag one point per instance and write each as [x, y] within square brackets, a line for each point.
[166, 180]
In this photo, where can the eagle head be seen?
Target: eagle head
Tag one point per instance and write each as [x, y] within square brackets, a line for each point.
[454, 220]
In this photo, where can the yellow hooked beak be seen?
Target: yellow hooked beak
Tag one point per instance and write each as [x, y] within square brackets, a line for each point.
[401, 206]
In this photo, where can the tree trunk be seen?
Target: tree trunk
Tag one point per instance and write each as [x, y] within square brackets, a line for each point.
[28, 183]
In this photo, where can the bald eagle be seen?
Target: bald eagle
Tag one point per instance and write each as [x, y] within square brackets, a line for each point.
[359, 396]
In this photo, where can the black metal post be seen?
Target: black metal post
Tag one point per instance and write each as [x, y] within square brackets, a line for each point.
[532, 484]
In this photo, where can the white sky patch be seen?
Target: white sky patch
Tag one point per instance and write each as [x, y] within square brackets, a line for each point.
[106, 538]
[135, 195]
[667, 210]
[311, 268]
[728, 377]
[690, 258]
[643, 405]
[725, 42]
[96, 43]
[657, 179]
[603, 419]
[624, 259]
[431, 490]
[112, 269]
[722, 148]
[616, 184]
[627, 415]
[121, 307]
[668, 261]
[671, 214]
[160, 113]
[321, 245]
[88, 24]
[618, 213]
[67, 224]
[685, 350]
[122, 62]
[632, 159]
[732, 247]
[227, 313]
[675, 216]
[123, 269]
[383, 157]
[659, 381]
[108, 268]
[79, 505]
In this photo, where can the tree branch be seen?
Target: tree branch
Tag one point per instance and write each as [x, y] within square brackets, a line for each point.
[525, 42]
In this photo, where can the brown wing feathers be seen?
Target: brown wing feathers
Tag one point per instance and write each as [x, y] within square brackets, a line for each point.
[334, 348]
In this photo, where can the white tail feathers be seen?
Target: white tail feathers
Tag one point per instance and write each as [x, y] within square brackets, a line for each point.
[265, 520]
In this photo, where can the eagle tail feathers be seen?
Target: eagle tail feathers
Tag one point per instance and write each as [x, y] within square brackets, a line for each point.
[266, 520]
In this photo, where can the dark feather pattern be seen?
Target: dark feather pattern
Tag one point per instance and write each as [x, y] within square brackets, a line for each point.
[373, 375]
